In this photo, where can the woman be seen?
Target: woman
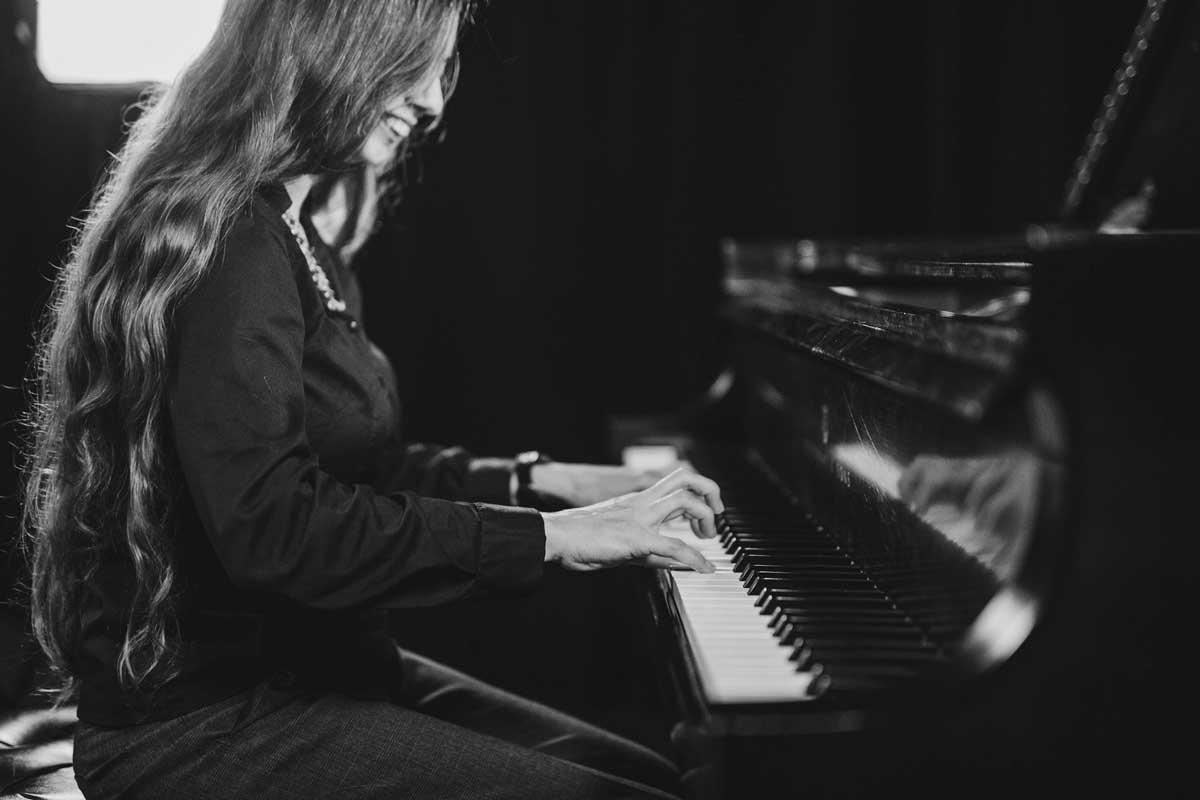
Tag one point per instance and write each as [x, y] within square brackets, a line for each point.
[219, 507]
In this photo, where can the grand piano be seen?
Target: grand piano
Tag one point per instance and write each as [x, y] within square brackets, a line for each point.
[955, 558]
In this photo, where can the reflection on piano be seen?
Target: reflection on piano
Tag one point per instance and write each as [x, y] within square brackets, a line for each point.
[952, 560]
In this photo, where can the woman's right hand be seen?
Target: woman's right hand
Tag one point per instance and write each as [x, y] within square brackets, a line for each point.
[625, 529]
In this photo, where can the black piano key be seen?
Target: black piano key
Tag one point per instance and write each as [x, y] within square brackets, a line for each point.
[780, 537]
[826, 562]
[849, 650]
[858, 616]
[791, 592]
[796, 591]
[834, 664]
[878, 672]
[789, 632]
[771, 604]
[800, 561]
[891, 618]
[810, 584]
[799, 555]
[858, 685]
[763, 545]
[865, 662]
[783, 583]
[800, 613]
[827, 576]
[812, 563]
[815, 618]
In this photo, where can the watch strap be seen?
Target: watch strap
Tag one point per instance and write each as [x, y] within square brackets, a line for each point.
[523, 469]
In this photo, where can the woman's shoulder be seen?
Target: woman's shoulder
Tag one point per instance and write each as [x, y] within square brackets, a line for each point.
[257, 243]
[258, 230]
[254, 259]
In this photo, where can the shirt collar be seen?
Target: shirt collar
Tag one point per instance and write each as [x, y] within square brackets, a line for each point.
[276, 196]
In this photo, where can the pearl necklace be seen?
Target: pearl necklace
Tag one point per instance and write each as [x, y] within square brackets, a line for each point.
[314, 268]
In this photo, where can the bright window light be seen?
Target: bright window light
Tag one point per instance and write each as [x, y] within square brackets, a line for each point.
[121, 41]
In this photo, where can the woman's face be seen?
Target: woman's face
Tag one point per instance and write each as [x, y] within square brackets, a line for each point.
[402, 114]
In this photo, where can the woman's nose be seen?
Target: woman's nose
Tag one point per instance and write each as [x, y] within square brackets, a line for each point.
[428, 99]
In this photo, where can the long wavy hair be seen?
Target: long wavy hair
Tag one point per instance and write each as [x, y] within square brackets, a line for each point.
[285, 88]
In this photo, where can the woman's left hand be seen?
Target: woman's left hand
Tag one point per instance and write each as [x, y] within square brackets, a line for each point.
[586, 484]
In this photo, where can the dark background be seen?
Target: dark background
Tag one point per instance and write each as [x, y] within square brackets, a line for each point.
[556, 257]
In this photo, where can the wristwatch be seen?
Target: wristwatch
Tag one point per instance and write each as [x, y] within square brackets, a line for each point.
[523, 472]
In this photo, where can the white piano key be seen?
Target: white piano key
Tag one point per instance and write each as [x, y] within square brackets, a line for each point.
[738, 658]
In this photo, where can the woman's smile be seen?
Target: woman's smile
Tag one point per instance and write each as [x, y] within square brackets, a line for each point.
[400, 124]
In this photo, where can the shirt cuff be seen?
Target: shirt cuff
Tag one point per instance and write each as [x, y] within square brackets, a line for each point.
[513, 551]
[489, 480]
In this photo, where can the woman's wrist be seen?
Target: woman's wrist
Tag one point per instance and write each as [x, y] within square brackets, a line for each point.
[551, 524]
[542, 478]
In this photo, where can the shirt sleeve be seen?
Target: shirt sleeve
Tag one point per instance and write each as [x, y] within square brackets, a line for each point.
[277, 521]
[449, 472]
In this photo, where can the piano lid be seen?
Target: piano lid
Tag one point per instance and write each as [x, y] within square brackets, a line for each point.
[1138, 170]
[1138, 165]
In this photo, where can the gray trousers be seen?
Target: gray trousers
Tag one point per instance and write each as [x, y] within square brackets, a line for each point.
[444, 735]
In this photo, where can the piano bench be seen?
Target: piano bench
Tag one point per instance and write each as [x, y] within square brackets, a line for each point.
[35, 755]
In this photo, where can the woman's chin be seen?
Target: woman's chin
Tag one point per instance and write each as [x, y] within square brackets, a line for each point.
[380, 156]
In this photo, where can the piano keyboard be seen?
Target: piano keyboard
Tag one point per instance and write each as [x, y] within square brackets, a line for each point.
[738, 659]
[789, 615]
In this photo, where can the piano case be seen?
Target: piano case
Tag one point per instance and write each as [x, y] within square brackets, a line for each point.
[951, 468]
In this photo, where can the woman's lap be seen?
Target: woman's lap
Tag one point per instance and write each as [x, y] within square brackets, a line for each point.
[446, 735]
[445, 693]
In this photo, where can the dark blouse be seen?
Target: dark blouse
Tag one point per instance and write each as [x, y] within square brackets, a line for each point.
[300, 515]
